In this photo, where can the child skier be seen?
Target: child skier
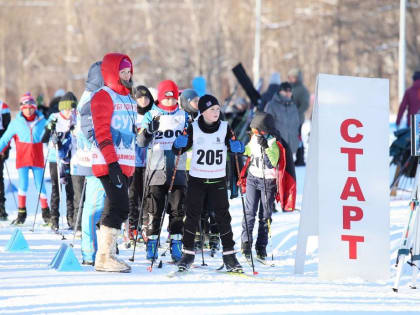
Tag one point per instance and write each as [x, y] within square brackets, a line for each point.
[144, 101]
[264, 156]
[160, 126]
[209, 138]
[27, 129]
[58, 136]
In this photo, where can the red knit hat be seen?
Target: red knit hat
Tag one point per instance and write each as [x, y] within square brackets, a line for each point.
[27, 101]
[167, 89]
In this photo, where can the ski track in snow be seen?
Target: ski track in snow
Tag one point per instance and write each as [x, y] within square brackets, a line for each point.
[28, 286]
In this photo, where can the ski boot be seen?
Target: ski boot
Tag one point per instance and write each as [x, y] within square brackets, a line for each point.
[151, 248]
[3, 213]
[46, 215]
[186, 260]
[197, 242]
[261, 253]
[214, 243]
[176, 247]
[231, 263]
[246, 250]
[21, 217]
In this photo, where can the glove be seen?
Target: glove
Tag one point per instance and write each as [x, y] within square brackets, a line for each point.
[51, 125]
[262, 141]
[115, 174]
[181, 141]
[153, 125]
[236, 146]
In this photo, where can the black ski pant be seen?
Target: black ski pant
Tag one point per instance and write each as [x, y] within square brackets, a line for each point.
[135, 196]
[2, 195]
[55, 195]
[116, 203]
[156, 196]
[78, 182]
[215, 191]
[255, 199]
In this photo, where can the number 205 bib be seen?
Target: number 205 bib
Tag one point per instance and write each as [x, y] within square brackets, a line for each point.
[208, 152]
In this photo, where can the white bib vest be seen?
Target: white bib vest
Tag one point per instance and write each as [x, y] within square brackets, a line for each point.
[122, 123]
[170, 127]
[209, 152]
[256, 165]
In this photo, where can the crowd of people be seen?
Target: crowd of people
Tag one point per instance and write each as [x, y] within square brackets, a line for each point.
[125, 157]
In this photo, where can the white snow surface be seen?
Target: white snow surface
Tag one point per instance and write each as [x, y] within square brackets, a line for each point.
[28, 286]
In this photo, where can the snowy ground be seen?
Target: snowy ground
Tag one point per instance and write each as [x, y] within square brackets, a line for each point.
[27, 285]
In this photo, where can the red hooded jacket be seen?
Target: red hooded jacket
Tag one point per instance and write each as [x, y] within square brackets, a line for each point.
[102, 108]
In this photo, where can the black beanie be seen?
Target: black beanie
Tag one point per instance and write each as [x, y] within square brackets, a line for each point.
[263, 122]
[140, 91]
[67, 101]
[206, 101]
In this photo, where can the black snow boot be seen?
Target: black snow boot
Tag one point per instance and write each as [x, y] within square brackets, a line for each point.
[261, 253]
[21, 217]
[186, 261]
[46, 215]
[3, 213]
[246, 250]
[231, 263]
[54, 224]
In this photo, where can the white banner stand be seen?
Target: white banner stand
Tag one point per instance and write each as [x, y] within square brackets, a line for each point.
[346, 193]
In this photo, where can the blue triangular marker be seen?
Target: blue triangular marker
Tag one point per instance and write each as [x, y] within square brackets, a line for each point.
[58, 256]
[65, 260]
[17, 242]
[11, 188]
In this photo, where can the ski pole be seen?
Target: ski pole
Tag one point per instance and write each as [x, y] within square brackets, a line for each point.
[202, 242]
[266, 203]
[40, 188]
[79, 211]
[146, 182]
[243, 209]
[59, 183]
[10, 182]
[150, 268]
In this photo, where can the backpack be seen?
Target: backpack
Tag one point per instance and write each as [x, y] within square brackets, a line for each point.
[86, 122]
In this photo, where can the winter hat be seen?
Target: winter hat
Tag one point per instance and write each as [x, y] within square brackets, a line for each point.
[285, 86]
[27, 101]
[206, 101]
[140, 91]
[263, 122]
[125, 63]
[416, 75]
[275, 78]
[68, 101]
[186, 97]
[167, 89]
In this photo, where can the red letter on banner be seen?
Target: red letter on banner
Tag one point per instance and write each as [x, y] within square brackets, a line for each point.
[351, 153]
[347, 217]
[356, 192]
[344, 129]
[353, 240]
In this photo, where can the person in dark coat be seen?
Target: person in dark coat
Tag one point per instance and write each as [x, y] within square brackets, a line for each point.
[300, 96]
[286, 115]
[411, 100]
